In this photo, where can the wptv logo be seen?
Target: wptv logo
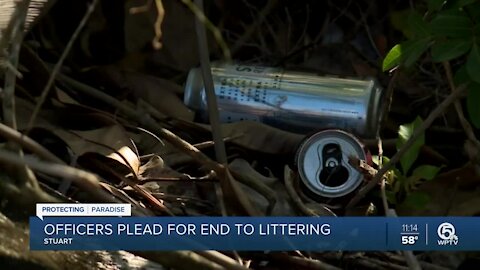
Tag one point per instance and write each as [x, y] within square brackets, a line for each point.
[446, 233]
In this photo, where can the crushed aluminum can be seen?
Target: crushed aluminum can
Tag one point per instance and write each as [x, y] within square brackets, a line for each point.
[322, 161]
[293, 101]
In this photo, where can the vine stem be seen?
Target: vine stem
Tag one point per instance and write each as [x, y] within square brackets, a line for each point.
[416, 134]
[458, 107]
[59, 64]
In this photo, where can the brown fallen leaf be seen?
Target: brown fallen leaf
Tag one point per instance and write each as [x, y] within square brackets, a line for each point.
[65, 98]
[454, 193]
[254, 181]
[162, 94]
[257, 136]
[156, 168]
[102, 141]
[24, 109]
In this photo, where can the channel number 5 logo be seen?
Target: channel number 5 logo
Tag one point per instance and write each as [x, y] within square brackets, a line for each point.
[446, 233]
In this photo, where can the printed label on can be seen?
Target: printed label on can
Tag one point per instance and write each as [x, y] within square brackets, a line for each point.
[293, 101]
[242, 90]
[232, 117]
[252, 70]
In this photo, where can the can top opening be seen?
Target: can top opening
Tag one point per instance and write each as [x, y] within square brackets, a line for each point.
[333, 173]
[323, 163]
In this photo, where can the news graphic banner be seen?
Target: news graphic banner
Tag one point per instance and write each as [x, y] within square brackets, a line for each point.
[117, 230]
[83, 210]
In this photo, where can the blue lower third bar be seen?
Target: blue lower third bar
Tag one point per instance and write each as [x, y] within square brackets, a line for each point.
[255, 233]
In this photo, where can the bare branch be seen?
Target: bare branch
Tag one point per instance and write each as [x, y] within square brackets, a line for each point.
[416, 134]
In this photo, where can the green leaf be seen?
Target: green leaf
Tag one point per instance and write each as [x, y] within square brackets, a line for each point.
[473, 108]
[450, 49]
[474, 11]
[406, 53]
[412, 50]
[427, 172]
[476, 29]
[393, 58]
[411, 183]
[461, 76]
[390, 177]
[452, 23]
[397, 185]
[417, 25]
[398, 175]
[391, 196]
[375, 160]
[460, 3]
[397, 19]
[416, 200]
[473, 64]
[473, 95]
[435, 5]
[404, 134]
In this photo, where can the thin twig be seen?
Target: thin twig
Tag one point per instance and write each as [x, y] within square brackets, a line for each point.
[411, 260]
[367, 29]
[304, 263]
[294, 196]
[23, 175]
[382, 187]
[399, 259]
[88, 182]
[200, 146]
[139, 189]
[184, 178]
[237, 197]
[180, 260]
[416, 134]
[247, 34]
[27, 143]
[363, 167]
[458, 107]
[58, 65]
[157, 44]
[142, 8]
[221, 259]
[370, 263]
[211, 27]
[297, 201]
[16, 38]
[244, 175]
[387, 103]
[213, 113]
[183, 199]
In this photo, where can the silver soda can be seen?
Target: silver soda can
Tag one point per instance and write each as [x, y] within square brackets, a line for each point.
[322, 162]
[294, 101]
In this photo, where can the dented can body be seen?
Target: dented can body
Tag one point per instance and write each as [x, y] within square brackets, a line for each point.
[298, 102]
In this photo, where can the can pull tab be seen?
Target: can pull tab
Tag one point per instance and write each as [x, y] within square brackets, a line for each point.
[333, 173]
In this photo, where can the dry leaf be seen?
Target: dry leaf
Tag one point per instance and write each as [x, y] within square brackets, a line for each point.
[260, 137]
[64, 97]
[95, 141]
[161, 94]
[120, 194]
[242, 166]
[24, 111]
[454, 193]
[156, 168]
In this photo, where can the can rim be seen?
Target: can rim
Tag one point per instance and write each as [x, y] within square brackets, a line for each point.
[193, 88]
[319, 188]
[377, 110]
